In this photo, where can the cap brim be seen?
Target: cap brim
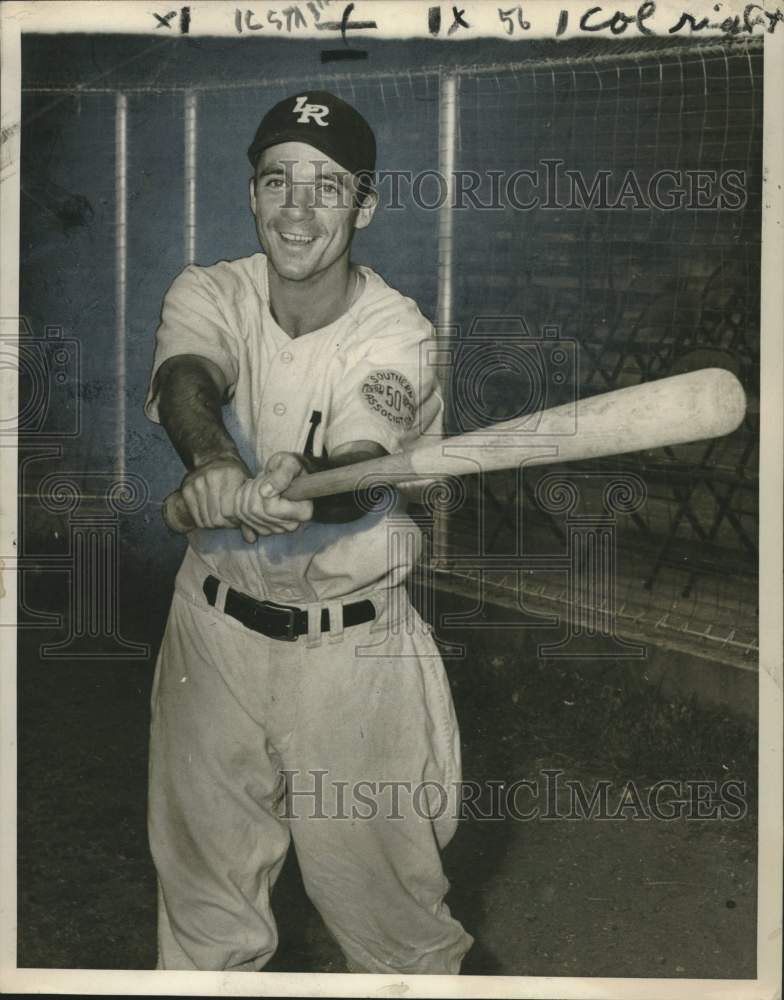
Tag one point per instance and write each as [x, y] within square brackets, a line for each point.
[365, 178]
[288, 135]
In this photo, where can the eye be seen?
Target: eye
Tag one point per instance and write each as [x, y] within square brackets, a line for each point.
[273, 182]
[329, 187]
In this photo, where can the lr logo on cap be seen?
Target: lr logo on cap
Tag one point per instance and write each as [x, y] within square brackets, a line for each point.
[310, 112]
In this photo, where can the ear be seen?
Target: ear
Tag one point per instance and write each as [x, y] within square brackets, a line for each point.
[366, 211]
[252, 192]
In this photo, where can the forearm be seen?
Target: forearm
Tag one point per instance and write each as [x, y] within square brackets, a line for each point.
[190, 393]
[190, 399]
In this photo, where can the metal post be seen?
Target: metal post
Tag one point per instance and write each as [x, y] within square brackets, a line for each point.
[190, 177]
[447, 153]
[121, 268]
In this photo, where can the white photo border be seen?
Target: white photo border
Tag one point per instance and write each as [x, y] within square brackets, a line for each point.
[410, 16]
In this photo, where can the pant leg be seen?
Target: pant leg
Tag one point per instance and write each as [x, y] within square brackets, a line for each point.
[387, 716]
[216, 836]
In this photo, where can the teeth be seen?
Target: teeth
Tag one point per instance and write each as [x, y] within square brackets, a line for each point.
[296, 238]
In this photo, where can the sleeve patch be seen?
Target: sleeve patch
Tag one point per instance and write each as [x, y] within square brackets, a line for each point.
[390, 394]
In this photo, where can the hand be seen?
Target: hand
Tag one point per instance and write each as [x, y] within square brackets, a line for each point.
[259, 505]
[209, 493]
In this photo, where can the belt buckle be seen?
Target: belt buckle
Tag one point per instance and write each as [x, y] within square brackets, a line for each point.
[290, 612]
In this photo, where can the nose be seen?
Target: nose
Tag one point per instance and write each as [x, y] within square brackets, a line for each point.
[300, 200]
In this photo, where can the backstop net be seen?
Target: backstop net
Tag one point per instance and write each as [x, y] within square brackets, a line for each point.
[600, 220]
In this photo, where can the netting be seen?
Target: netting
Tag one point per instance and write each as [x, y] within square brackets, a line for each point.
[632, 254]
[637, 292]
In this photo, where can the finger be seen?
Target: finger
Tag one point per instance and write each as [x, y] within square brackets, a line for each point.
[248, 505]
[279, 472]
[212, 500]
[241, 499]
[200, 494]
[257, 513]
[248, 534]
[252, 514]
[265, 525]
[191, 499]
[228, 501]
[290, 525]
[210, 492]
[288, 510]
[286, 461]
[218, 492]
[283, 526]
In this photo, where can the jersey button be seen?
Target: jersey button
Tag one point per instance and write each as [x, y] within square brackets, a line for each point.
[279, 409]
[287, 357]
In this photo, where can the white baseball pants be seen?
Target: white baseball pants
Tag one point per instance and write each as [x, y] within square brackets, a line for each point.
[231, 711]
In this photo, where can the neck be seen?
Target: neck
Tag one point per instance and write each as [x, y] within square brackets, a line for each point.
[300, 307]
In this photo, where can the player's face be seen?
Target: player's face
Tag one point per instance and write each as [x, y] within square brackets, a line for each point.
[305, 211]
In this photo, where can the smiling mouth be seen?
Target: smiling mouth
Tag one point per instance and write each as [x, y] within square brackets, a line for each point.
[296, 239]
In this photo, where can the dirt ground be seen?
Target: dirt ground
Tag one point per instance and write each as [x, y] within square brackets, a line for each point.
[547, 897]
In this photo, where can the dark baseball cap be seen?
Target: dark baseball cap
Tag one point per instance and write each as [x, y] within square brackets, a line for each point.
[325, 122]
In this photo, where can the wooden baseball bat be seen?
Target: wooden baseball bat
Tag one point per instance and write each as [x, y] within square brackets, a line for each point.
[682, 408]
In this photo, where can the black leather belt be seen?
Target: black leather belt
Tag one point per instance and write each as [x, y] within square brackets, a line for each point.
[281, 621]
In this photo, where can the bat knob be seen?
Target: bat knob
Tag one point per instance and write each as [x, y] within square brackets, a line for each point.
[176, 515]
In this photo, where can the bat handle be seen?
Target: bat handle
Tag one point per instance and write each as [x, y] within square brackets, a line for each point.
[308, 486]
[177, 517]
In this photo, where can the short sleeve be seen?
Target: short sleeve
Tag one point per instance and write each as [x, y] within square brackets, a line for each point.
[388, 393]
[193, 322]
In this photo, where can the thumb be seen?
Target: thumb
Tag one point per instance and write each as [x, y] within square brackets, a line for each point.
[281, 469]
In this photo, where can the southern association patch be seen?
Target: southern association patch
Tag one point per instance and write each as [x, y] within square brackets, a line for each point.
[390, 394]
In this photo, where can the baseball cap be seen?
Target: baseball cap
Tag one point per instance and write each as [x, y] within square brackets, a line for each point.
[325, 122]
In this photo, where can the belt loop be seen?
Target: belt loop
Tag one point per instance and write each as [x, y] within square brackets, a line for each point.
[314, 625]
[220, 597]
[381, 601]
[335, 610]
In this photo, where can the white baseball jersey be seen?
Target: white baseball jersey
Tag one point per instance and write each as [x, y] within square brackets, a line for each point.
[364, 377]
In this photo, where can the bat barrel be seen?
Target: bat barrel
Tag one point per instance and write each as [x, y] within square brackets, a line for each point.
[694, 406]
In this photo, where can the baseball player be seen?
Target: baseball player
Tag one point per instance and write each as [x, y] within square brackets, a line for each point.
[295, 685]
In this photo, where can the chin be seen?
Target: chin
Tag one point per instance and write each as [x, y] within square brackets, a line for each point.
[292, 272]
